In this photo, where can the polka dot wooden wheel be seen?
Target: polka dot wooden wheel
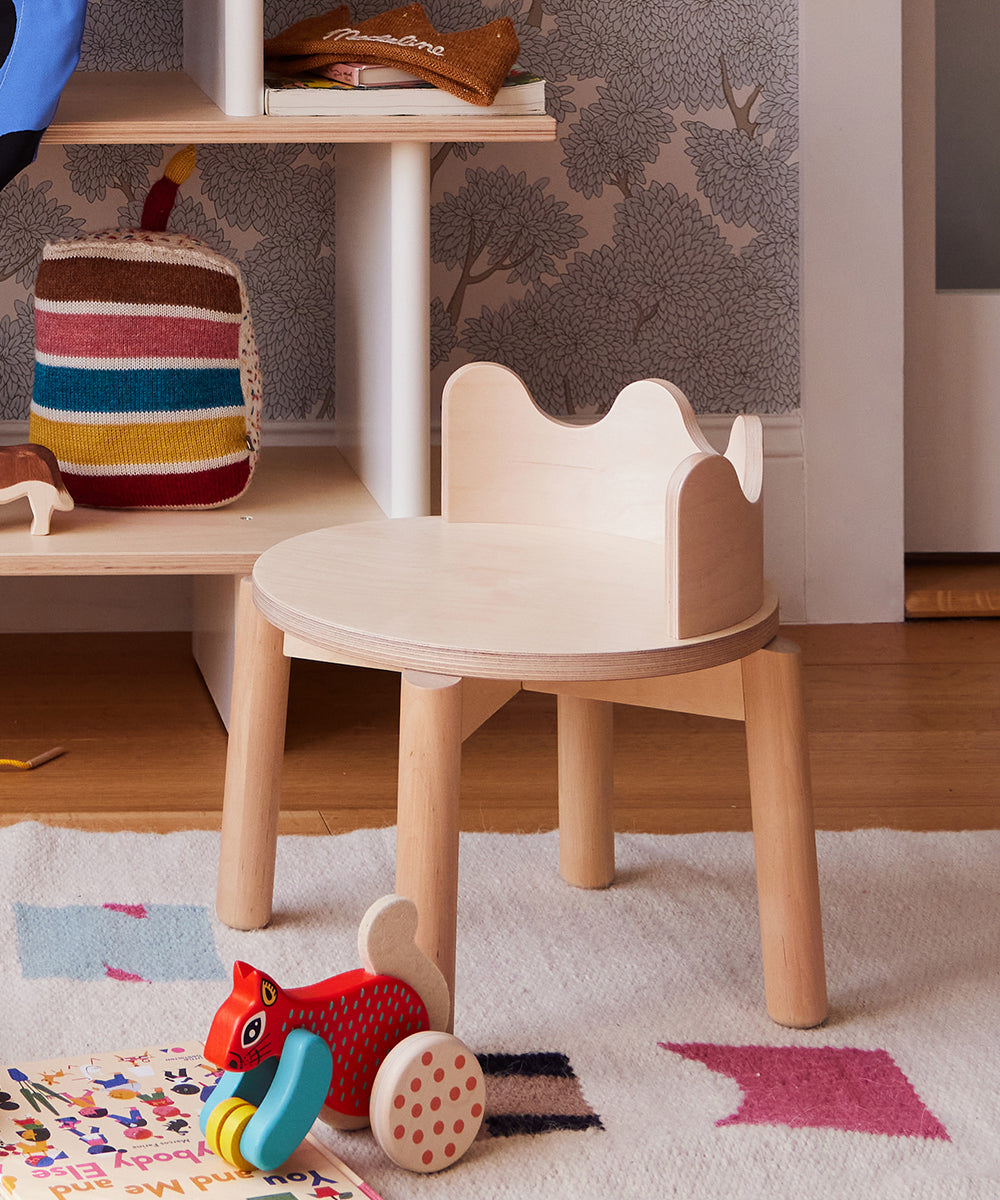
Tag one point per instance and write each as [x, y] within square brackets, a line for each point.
[428, 1101]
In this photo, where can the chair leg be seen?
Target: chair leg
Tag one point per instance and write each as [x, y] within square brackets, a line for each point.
[586, 791]
[430, 764]
[784, 837]
[253, 770]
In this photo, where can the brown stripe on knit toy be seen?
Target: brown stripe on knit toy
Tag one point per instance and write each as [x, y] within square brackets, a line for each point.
[471, 64]
[132, 281]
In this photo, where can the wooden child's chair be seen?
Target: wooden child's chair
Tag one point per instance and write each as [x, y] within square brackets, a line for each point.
[619, 561]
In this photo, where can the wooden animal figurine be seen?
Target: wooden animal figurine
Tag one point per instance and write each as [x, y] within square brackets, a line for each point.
[364, 1047]
[32, 471]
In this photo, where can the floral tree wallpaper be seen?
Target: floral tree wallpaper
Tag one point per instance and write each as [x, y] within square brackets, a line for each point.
[658, 235]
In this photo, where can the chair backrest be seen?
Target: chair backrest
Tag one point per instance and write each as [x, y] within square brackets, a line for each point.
[643, 470]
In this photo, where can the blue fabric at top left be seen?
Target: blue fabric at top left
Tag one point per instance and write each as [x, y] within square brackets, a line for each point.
[42, 43]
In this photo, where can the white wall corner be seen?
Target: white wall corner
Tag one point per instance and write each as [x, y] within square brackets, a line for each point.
[852, 309]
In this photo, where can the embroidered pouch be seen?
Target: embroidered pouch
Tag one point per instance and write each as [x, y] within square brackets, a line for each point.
[471, 64]
[147, 381]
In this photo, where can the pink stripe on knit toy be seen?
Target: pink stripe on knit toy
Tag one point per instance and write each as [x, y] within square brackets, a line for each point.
[111, 336]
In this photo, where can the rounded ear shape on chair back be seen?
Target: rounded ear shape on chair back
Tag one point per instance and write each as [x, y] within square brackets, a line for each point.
[40, 47]
[506, 460]
[746, 452]
[645, 470]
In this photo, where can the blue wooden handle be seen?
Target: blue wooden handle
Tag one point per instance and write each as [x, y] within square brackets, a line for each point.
[288, 1094]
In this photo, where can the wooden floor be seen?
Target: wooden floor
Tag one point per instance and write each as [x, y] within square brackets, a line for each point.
[904, 732]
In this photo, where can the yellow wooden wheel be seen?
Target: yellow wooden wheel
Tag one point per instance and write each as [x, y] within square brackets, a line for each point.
[225, 1127]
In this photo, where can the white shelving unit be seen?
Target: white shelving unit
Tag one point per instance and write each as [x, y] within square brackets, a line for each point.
[224, 52]
[382, 301]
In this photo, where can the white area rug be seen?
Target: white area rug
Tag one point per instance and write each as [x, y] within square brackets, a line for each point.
[660, 1074]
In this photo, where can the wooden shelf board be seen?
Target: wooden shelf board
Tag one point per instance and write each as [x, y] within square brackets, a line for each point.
[294, 489]
[166, 107]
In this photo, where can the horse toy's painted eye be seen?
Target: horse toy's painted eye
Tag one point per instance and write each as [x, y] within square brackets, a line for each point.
[252, 1031]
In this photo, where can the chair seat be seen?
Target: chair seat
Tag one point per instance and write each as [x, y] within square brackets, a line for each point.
[489, 601]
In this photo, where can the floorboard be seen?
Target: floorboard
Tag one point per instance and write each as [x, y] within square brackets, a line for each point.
[904, 724]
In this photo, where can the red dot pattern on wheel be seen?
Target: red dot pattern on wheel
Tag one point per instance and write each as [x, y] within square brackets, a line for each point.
[437, 1131]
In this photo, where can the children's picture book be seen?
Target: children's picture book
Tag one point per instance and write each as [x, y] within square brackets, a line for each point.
[369, 75]
[313, 95]
[118, 1125]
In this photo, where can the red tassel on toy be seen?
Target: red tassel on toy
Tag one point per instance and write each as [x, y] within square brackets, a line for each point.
[162, 194]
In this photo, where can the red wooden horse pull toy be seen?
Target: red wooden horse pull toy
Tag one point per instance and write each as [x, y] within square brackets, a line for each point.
[364, 1047]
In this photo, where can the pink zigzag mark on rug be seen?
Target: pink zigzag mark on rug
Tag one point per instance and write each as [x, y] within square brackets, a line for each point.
[138, 911]
[129, 910]
[859, 1091]
[122, 976]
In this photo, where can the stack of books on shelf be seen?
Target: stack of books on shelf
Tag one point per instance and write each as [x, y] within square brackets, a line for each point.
[364, 89]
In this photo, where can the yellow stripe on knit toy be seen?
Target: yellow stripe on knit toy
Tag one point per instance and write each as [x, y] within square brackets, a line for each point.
[144, 446]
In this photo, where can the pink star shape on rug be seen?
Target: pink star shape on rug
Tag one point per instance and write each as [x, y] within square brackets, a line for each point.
[860, 1091]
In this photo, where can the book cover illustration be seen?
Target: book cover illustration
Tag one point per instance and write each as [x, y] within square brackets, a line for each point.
[127, 1125]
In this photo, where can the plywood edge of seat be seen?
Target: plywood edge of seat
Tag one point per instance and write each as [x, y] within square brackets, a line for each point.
[317, 639]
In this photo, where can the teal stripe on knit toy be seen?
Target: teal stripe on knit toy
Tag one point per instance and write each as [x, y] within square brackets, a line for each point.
[78, 390]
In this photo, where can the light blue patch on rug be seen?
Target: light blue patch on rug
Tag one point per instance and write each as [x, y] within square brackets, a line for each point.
[155, 943]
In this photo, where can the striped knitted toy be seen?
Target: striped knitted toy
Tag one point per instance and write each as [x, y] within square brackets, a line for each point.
[147, 383]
